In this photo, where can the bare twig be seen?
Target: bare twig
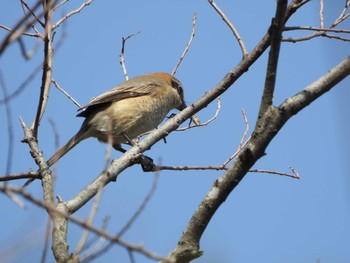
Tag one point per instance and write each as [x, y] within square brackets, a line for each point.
[28, 54]
[188, 44]
[24, 7]
[66, 93]
[231, 26]
[47, 69]
[89, 221]
[47, 240]
[142, 206]
[334, 30]
[198, 124]
[241, 143]
[74, 12]
[28, 175]
[240, 148]
[295, 174]
[94, 251]
[23, 33]
[22, 87]
[342, 15]
[321, 14]
[122, 54]
[9, 125]
[59, 5]
[131, 256]
[57, 144]
[338, 38]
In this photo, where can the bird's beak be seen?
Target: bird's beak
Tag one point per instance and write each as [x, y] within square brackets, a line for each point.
[182, 106]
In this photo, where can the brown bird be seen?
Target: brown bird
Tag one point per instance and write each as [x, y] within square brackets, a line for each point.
[127, 111]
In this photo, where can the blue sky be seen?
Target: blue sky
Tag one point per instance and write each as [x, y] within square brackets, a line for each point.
[268, 218]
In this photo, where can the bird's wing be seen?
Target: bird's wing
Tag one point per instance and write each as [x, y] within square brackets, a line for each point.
[120, 92]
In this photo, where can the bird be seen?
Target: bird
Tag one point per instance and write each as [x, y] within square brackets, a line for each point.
[130, 109]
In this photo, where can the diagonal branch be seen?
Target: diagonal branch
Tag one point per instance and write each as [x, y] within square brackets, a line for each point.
[296, 103]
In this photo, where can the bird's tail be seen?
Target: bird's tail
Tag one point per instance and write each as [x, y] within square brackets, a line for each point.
[65, 148]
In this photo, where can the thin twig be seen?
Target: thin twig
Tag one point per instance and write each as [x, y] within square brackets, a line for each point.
[28, 175]
[334, 30]
[47, 70]
[89, 221]
[240, 148]
[231, 26]
[9, 125]
[74, 12]
[47, 240]
[24, 5]
[66, 93]
[188, 44]
[245, 131]
[59, 5]
[28, 54]
[23, 33]
[314, 35]
[56, 143]
[122, 54]
[216, 114]
[295, 174]
[91, 254]
[142, 206]
[342, 15]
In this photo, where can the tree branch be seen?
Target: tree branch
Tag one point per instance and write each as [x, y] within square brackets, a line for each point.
[296, 103]
[47, 69]
[271, 72]
[231, 26]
